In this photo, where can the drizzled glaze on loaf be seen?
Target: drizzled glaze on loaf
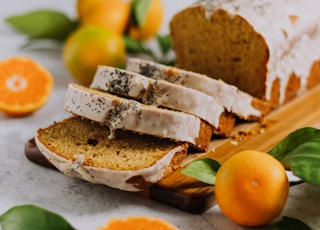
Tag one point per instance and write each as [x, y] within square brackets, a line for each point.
[234, 100]
[159, 93]
[121, 113]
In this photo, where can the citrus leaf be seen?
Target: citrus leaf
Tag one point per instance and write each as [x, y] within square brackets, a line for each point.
[164, 43]
[132, 45]
[293, 140]
[139, 9]
[30, 217]
[289, 223]
[42, 44]
[43, 24]
[304, 161]
[204, 170]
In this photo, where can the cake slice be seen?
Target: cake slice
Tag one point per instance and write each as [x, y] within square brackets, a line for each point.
[234, 100]
[164, 94]
[80, 148]
[126, 114]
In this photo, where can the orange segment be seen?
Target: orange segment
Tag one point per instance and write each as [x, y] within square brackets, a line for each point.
[138, 223]
[25, 86]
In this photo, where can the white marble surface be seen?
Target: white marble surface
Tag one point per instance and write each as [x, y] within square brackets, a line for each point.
[87, 206]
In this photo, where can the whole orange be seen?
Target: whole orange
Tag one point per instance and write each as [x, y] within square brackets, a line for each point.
[151, 23]
[251, 188]
[110, 14]
[85, 6]
[88, 47]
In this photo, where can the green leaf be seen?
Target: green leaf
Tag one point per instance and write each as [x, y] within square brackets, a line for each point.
[139, 10]
[289, 223]
[132, 45]
[304, 161]
[43, 24]
[30, 217]
[43, 44]
[204, 170]
[164, 43]
[293, 140]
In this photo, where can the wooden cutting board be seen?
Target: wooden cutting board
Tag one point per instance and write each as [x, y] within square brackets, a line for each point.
[188, 194]
[192, 196]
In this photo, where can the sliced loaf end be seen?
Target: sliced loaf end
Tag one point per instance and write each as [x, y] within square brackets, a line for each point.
[81, 148]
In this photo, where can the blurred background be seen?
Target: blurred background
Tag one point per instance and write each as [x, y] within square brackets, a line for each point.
[50, 55]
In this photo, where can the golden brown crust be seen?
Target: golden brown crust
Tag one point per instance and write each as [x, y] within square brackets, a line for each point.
[226, 124]
[263, 106]
[292, 88]
[204, 137]
[314, 76]
[176, 160]
[275, 94]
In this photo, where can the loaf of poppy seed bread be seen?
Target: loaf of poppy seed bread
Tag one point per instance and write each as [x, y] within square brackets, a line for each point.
[269, 49]
[126, 114]
[235, 101]
[162, 93]
[80, 148]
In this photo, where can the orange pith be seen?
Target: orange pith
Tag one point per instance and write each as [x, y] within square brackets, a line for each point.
[251, 188]
[25, 86]
[138, 223]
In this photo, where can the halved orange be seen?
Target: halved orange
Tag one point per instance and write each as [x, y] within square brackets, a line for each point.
[25, 86]
[138, 223]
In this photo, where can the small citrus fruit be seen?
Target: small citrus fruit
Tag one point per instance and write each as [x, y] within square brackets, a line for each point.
[88, 47]
[138, 223]
[151, 23]
[110, 14]
[251, 188]
[84, 6]
[25, 86]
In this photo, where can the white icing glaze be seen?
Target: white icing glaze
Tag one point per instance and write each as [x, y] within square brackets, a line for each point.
[112, 178]
[158, 93]
[293, 45]
[120, 113]
[227, 95]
